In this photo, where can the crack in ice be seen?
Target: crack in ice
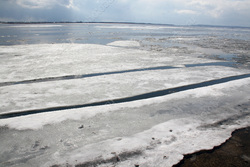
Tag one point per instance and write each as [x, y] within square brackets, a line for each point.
[70, 77]
[127, 99]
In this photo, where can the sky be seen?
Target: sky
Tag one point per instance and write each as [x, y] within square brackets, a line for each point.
[178, 12]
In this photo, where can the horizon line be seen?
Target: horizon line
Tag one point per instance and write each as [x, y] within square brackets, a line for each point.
[111, 22]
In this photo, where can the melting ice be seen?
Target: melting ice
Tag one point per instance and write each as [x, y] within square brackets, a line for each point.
[149, 132]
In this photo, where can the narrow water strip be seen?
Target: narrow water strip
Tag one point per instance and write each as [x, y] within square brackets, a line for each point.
[127, 99]
[70, 77]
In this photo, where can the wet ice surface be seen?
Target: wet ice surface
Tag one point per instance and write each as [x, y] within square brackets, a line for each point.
[148, 132]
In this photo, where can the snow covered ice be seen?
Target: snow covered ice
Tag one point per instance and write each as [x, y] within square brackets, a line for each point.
[149, 132]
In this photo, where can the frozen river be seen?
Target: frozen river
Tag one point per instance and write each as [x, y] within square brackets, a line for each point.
[119, 94]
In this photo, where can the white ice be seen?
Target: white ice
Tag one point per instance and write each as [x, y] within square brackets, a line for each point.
[24, 62]
[156, 131]
[124, 43]
[107, 87]
[41, 61]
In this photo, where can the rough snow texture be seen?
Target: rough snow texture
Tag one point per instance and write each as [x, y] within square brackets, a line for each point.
[58, 60]
[162, 145]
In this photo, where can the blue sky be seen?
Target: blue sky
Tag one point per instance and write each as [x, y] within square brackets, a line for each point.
[180, 12]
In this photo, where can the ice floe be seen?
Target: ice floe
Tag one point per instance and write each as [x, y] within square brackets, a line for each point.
[125, 43]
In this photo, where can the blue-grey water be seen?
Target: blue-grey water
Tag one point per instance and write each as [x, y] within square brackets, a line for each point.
[14, 34]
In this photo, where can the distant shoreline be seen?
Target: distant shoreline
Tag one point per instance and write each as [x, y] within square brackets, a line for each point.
[68, 22]
[132, 23]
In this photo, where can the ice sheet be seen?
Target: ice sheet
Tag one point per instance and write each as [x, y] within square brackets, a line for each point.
[44, 61]
[161, 129]
[164, 126]
[22, 62]
[94, 89]
[40, 61]
[35, 121]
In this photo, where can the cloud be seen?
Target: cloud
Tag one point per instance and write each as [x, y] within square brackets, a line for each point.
[30, 10]
[40, 4]
[34, 4]
[229, 12]
[71, 4]
[218, 8]
[186, 12]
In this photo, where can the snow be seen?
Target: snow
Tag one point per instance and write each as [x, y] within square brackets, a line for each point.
[58, 60]
[172, 138]
[164, 140]
[39, 120]
[45, 60]
[149, 132]
[72, 92]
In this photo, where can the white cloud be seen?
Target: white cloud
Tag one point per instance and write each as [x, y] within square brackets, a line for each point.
[40, 4]
[217, 8]
[154, 11]
[34, 4]
[186, 12]
[71, 4]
